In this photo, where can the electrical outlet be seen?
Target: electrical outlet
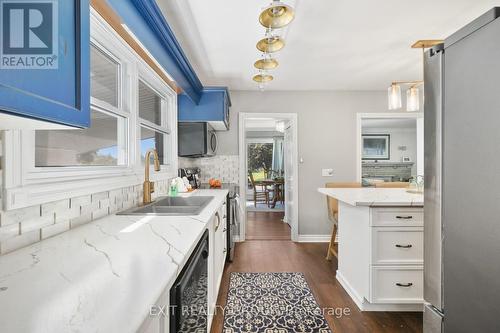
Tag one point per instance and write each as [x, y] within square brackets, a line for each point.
[327, 172]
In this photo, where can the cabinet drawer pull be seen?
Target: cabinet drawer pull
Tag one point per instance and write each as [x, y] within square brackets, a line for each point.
[404, 284]
[224, 230]
[218, 221]
[224, 251]
[404, 246]
[408, 217]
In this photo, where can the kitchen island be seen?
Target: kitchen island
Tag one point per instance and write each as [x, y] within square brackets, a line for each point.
[380, 250]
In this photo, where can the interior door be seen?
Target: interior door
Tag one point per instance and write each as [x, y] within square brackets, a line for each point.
[289, 174]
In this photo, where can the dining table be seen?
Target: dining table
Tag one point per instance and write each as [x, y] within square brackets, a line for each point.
[278, 194]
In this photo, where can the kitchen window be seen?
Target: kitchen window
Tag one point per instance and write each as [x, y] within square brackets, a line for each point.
[150, 104]
[132, 110]
[104, 76]
[104, 142]
[98, 145]
[154, 122]
[151, 139]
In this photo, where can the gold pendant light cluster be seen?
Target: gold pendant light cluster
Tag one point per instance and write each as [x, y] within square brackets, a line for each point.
[275, 16]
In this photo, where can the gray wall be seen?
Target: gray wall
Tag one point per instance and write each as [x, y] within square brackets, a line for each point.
[327, 139]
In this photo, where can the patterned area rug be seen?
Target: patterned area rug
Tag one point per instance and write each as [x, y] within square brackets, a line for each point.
[272, 303]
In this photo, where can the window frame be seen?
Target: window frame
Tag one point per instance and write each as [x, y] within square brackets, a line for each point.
[168, 113]
[27, 185]
[121, 79]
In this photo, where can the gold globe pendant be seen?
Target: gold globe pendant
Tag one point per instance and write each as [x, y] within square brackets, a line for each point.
[263, 78]
[266, 64]
[277, 15]
[270, 44]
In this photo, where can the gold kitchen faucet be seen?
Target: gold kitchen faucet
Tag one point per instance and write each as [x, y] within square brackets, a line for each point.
[148, 186]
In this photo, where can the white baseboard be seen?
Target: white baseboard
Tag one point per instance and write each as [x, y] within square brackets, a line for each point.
[358, 300]
[314, 238]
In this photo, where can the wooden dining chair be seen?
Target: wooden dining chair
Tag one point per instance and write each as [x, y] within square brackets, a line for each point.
[392, 185]
[267, 174]
[260, 191]
[333, 215]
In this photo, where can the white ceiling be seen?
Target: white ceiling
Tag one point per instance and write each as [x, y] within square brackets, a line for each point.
[331, 45]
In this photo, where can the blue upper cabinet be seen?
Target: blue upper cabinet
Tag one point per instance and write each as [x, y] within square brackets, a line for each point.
[44, 67]
[213, 108]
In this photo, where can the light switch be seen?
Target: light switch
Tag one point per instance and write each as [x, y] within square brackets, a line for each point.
[327, 172]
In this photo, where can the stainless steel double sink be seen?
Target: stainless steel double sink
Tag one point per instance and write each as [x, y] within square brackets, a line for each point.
[171, 206]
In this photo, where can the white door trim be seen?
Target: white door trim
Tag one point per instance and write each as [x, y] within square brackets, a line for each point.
[292, 118]
[359, 119]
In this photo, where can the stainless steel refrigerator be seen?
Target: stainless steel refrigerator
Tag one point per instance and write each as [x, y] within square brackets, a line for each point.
[462, 178]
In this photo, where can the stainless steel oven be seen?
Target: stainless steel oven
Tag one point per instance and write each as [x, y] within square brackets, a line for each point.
[189, 294]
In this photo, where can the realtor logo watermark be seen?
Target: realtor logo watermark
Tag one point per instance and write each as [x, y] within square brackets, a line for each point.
[28, 34]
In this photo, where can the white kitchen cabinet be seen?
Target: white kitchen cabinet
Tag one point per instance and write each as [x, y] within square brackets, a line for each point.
[397, 246]
[397, 217]
[217, 257]
[396, 284]
[381, 256]
[220, 246]
[397, 256]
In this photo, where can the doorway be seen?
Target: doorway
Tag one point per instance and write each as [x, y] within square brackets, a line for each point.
[268, 161]
[389, 148]
[265, 156]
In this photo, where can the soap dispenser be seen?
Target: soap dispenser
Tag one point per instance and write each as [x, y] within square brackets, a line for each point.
[173, 188]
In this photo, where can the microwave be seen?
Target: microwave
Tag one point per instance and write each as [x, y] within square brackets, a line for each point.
[196, 139]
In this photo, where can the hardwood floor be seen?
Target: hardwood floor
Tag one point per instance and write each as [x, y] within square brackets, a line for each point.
[309, 258]
[267, 226]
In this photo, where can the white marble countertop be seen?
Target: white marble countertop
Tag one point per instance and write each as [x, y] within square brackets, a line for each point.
[100, 277]
[373, 197]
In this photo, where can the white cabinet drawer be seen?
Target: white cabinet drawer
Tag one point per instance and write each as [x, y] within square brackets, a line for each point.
[391, 284]
[411, 217]
[397, 246]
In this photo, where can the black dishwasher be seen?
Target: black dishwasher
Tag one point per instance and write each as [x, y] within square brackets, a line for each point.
[189, 294]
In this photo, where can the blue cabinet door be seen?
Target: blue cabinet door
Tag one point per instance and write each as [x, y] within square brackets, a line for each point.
[213, 108]
[44, 64]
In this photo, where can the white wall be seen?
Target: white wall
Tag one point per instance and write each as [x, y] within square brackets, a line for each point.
[326, 137]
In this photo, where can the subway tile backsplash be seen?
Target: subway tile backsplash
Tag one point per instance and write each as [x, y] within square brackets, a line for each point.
[26, 226]
[223, 167]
